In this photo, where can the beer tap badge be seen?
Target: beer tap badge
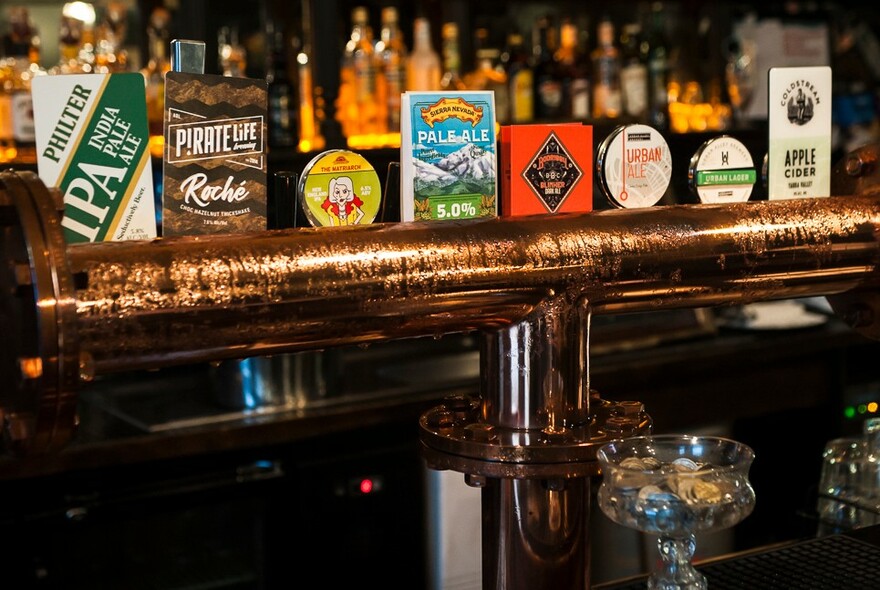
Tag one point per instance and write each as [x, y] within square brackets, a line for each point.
[546, 168]
[91, 135]
[799, 146]
[215, 160]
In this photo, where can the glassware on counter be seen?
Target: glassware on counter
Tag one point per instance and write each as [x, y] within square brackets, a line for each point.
[674, 486]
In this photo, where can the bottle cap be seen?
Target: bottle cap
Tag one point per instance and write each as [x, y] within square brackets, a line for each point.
[634, 166]
[339, 187]
[722, 171]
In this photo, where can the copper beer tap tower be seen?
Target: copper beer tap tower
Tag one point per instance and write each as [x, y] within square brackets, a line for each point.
[528, 285]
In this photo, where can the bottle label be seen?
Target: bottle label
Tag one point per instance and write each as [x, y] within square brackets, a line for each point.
[5, 117]
[523, 97]
[22, 117]
[580, 98]
[550, 94]
[635, 166]
[634, 86]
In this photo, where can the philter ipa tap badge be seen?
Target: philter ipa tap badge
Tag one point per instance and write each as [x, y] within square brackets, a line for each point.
[799, 161]
[215, 161]
[91, 136]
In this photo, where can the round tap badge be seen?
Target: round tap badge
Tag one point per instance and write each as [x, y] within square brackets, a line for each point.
[722, 171]
[634, 166]
[339, 187]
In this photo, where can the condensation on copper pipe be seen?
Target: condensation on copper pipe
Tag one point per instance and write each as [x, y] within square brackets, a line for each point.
[191, 299]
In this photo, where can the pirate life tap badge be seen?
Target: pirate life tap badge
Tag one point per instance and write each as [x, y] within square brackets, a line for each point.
[722, 171]
[215, 161]
[546, 169]
[338, 188]
[634, 166]
[799, 123]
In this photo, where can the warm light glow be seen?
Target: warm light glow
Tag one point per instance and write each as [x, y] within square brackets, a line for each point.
[82, 11]
[366, 486]
[157, 146]
[374, 140]
[31, 368]
[872, 407]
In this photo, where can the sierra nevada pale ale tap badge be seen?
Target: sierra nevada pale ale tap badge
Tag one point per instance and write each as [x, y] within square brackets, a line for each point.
[215, 163]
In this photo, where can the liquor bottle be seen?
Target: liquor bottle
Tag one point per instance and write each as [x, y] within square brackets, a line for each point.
[391, 52]
[154, 72]
[232, 55]
[520, 79]
[658, 70]
[574, 73]
[73, 47]
[452, 78]
[490, 75]
[357, 107]
[20, 46]
[110, 55]
[633, 72]
[606, 73]
[311, 102]
[548, 85]
[423, 68]
[282, 96]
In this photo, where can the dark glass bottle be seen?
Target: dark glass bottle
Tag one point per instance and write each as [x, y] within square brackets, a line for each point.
[574, 71]
[282, 94]
[548, 84]
[520, 79]
[658, 69]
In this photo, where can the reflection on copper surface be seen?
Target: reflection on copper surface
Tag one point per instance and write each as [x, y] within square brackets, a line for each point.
[187, 299]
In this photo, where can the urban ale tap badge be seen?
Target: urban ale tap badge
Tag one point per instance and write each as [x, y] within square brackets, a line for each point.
[215, 162]
[91, 136]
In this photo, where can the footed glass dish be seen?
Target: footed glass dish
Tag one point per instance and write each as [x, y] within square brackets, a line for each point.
[674, 486]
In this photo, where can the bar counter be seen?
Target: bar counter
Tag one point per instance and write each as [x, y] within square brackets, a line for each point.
[133, 417]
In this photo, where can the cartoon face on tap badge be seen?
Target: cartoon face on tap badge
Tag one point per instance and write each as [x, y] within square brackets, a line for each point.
[339, 188]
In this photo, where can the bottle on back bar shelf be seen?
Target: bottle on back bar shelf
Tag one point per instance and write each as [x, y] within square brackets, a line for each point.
[634, 72]
[520, 80]
[548, 85]
[282, 95]
[391, 53]
[451, 78]
[606, 73]
[358, 107]
[423, 68]
[574, 72]
[17, 69]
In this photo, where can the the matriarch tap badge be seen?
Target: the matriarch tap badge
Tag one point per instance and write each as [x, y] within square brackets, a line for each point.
[552, 173]
[799, 154]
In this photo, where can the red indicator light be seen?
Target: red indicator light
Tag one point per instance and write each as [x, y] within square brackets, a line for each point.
[366, 485]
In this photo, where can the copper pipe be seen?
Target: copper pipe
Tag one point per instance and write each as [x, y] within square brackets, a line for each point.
[148, 304]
